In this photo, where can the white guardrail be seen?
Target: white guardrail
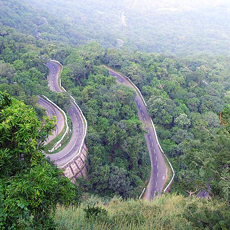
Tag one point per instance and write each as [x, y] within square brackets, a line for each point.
[166, 159]
[139, 92]
[56, 145]
[81, 113]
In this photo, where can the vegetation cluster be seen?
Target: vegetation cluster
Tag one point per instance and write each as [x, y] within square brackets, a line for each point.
[166, 212]
[30, 186]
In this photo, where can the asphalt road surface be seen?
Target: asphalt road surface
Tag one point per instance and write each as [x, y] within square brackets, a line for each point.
[70, 150]
[52, 111]
[158, 167]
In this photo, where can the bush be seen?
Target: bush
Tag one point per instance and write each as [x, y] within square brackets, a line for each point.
[95, 213]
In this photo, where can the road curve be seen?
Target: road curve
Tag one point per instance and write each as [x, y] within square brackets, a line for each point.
[52, 111]
[71, 149]
[158, 166]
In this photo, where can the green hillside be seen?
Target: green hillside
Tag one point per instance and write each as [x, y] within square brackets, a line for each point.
[185, 98]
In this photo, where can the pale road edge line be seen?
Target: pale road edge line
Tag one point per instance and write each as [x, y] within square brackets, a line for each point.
[139, 92]
[81, 113]
[67, 127]
[142, 193]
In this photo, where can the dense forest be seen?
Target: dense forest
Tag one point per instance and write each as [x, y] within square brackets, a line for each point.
[185, 97]
[97, 93]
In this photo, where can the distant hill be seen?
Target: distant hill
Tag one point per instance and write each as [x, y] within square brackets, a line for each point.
[19, 15]
[170, 27]
[148, 5]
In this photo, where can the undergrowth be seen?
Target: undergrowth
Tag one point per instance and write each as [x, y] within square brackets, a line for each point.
[166, 212]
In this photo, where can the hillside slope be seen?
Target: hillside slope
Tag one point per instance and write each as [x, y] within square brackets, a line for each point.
[22, 17]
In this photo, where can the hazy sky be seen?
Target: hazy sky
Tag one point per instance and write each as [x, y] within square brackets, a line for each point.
[141, 5]
[181, 3]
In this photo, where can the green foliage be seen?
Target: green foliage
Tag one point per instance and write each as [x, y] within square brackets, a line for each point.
[207, 218]
[5, 100]
[30, 187]
[226, 117]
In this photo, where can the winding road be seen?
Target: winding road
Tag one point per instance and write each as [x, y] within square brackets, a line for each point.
[65, 155]
[158, 166]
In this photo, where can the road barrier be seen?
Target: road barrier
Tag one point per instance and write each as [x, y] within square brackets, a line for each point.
[142, 193]
[57, 63]
[81, 113]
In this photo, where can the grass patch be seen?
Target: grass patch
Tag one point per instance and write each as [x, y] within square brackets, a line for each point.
[165, 212]
[65, 140]
[51, 144]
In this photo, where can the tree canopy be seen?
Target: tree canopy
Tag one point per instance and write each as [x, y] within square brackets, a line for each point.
[30, 186]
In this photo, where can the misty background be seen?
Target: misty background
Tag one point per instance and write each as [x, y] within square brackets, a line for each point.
[174, 27]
